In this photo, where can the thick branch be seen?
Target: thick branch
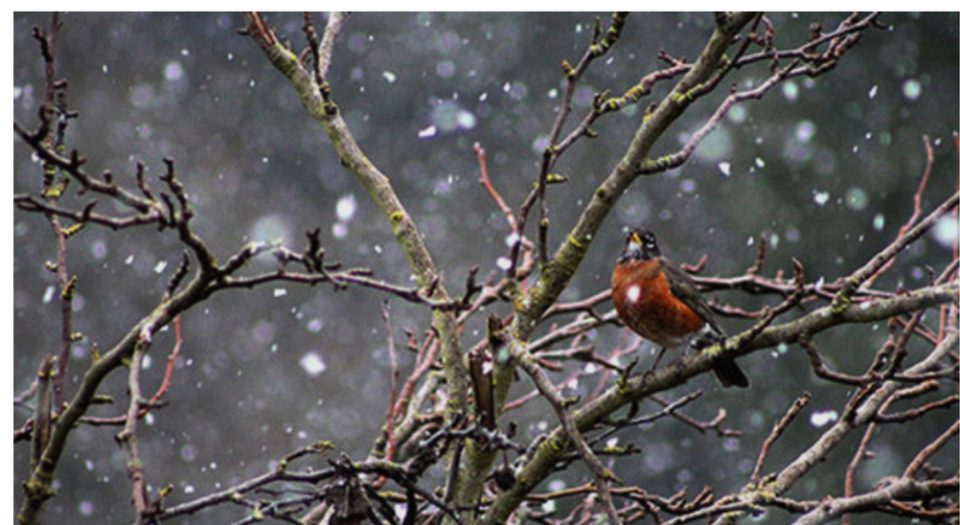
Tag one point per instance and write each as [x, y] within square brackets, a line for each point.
[558, 272]
[38, 488]
[316, 100]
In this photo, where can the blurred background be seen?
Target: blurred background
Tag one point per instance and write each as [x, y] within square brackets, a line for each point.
[824, 169]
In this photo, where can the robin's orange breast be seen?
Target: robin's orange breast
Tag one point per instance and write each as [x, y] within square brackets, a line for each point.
[642, 297]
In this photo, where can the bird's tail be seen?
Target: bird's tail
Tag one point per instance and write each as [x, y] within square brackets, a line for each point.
[730, 374]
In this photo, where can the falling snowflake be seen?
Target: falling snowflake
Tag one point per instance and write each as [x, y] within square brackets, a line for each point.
[823, 417]
[313, 364]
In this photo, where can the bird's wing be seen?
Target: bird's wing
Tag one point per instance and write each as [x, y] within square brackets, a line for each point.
[683, 288]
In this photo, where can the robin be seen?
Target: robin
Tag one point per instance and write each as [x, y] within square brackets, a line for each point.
[661, 303]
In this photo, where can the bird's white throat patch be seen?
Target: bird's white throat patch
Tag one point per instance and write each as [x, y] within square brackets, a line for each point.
[633, 293]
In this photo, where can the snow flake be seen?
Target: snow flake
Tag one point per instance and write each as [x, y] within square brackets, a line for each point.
[346, 207]
[48, 294]
[912, 89]
[724, 168]
[821, 197]
[313, 364]
[822, 418]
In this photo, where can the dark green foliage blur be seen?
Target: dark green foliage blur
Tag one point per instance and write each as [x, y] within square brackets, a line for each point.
[824, 169]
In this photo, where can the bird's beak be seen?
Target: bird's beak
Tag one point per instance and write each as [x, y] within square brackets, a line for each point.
[633, 250]
[634, 243]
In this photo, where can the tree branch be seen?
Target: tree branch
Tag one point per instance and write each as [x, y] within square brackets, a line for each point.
[542, 461]
[318, 104]
[901, 489]
[565, 261]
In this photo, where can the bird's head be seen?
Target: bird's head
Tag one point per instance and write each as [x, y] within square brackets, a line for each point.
[641, 246]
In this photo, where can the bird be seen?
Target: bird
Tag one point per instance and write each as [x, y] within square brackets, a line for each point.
[659, 301]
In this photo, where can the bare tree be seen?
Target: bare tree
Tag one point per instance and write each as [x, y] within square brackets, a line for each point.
[449, 411]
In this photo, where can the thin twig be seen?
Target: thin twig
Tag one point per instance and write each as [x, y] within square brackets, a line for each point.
[127, 437]
[917, 208]
[776, 432]
[601, 473]
[930, 449]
